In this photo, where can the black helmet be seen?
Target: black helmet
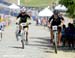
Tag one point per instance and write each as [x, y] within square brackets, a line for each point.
[56, 12]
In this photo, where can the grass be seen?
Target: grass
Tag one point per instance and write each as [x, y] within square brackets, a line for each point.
[37, 3]
[34, 3]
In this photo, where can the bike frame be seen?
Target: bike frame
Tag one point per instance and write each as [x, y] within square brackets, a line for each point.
[22, 30]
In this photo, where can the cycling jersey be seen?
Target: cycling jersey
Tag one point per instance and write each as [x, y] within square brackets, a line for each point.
[23, 18]
[55, 21]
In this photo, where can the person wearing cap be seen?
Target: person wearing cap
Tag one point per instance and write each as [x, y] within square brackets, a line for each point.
[55, 19]
[23, 19]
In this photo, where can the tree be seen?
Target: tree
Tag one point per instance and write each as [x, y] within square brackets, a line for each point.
[70, 4]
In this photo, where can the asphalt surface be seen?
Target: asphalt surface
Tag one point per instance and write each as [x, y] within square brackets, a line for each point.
[38, 45]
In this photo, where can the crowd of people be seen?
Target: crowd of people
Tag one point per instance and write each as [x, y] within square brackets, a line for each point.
[4, 21]
[68, 35]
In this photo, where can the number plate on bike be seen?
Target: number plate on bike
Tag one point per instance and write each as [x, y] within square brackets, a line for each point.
[54, 28]
[23, 24]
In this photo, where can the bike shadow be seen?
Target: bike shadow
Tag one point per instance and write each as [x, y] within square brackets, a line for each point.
[17, 47]
[44, 42]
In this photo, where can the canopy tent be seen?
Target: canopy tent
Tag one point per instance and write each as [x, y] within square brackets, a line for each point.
[3, 6]
[14, 6]
[14, 9]
[61, 8]
[45, 12]
[64, 8]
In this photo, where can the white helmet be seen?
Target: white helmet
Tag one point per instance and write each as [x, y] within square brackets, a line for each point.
[23, 9]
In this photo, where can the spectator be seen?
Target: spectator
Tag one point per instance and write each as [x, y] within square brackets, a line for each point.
[44, 21]
[69, 34]
[1, 19]
[63, 35]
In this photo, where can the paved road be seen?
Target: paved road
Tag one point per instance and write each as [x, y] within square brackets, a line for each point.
[38, 45]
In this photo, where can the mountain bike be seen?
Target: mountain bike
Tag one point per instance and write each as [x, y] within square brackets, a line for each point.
[55, 32]
[22, 33]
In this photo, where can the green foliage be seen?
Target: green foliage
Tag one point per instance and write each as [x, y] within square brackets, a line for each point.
[70, 4]
[37, 3]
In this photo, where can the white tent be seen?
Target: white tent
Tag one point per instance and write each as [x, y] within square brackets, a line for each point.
[61, 8]
[14, 6]
[58, 7]
[45, 12]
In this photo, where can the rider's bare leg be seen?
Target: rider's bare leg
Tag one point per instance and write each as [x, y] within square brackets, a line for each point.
[51, 35]
[26, 36]
[20, 28]
[26, 29]
[59, 38]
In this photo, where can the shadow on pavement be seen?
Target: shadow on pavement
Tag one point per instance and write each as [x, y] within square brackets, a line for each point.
[49, 52]
[45, 42]
[17, 47]
[41, 38]
[39, 45]
[42, 43]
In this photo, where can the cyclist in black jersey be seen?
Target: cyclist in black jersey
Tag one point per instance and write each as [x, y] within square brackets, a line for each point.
[57, 20]
[23, 19]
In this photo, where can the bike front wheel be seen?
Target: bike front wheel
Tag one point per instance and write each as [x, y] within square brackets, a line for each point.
[55, 42]
[55, 47]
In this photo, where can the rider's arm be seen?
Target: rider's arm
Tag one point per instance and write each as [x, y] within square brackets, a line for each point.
[62, 20]
[28, 16]
[17, 19]
[19, 16]
[49, 22]
[29, 20]
[50, 18]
